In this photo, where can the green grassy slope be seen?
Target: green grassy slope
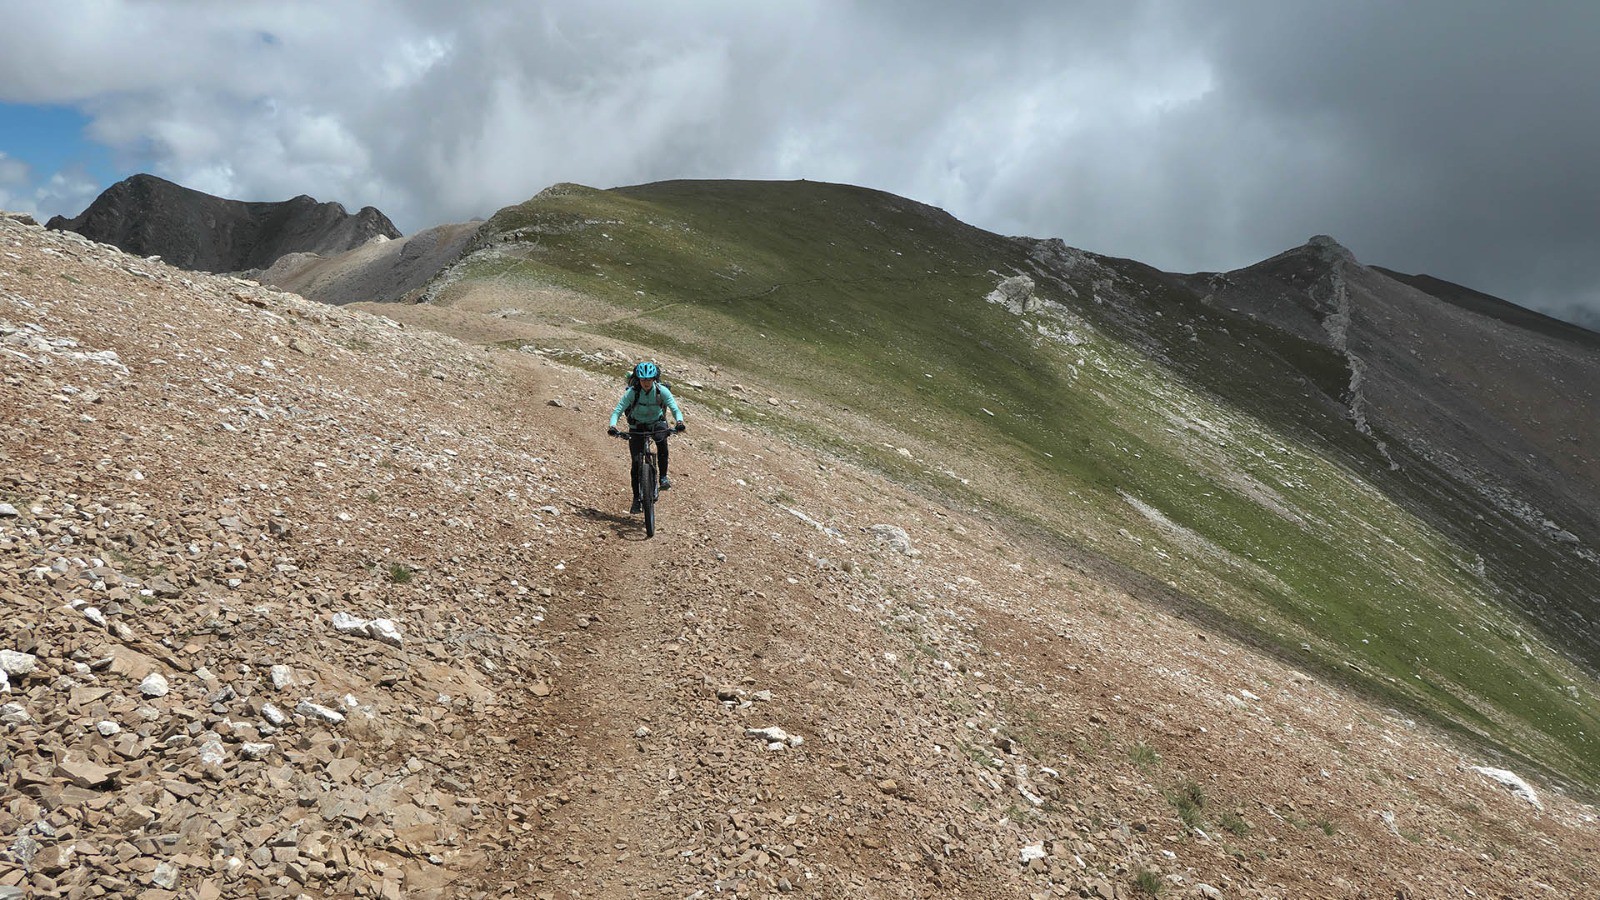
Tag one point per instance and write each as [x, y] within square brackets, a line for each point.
[1130, 421]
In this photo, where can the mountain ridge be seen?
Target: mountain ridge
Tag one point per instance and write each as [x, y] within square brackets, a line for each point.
[1496, 307]
[150, 216]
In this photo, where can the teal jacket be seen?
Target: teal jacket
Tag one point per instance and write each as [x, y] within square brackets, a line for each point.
[652, 406]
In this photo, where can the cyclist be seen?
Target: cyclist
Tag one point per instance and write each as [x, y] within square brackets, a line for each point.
[646, 402]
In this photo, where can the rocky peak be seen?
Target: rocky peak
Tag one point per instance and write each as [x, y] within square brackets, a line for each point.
[1329, 248]
[149, 216]
[1317, 260]
[564, 189]
[1316, 257]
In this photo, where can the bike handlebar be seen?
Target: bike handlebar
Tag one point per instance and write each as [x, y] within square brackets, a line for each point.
[628, 434]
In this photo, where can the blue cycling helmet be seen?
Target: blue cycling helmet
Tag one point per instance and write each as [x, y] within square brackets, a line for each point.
[646, 370]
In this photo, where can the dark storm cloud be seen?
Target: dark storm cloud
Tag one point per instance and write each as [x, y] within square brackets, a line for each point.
[1468, 135]
[1446, 137]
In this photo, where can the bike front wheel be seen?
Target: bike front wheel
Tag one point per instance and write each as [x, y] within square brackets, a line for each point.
[648, 493]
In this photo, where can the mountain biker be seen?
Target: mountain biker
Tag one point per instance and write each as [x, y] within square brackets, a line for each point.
[646, 404]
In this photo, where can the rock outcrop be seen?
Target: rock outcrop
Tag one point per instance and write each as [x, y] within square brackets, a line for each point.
[150, 216]
[377, 271]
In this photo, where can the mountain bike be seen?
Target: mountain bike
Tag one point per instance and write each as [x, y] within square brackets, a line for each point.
[650, 488]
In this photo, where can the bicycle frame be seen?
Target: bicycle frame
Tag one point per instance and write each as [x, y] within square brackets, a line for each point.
[650, 490]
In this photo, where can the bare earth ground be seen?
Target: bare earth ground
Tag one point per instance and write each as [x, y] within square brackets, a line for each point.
[216, 469]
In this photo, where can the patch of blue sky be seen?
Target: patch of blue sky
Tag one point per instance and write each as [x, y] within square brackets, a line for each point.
[50, 139]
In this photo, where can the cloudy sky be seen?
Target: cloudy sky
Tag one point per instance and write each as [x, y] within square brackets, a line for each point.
[1452, 137]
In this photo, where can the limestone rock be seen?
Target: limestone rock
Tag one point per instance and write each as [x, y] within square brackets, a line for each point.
[385, 631]
[212, 753]
[1513, 781]
[18, 664]
[344, 623]
[274, 716]
[154, 685]
[318, 711]
[1016, 294]
[895, 538]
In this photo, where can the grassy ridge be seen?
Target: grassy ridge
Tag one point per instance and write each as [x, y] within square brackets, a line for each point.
[1182, 442]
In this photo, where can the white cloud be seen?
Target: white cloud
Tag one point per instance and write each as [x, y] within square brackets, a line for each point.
[1188, 138]
[20, 192]
[436, 111]
[14, 175]
[411, 61]
[12, 171]
[70, 189]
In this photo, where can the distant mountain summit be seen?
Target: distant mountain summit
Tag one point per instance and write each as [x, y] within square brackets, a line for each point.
[148, 216]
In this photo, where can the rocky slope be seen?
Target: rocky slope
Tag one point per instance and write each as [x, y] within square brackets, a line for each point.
[298, 601]
[145, 215]
[377, 271]
[1444, 373]
[1489, 305]
[1468, 397]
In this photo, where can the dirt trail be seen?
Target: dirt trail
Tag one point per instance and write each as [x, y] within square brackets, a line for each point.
[615, 698]
[636, 773]
[645, 777]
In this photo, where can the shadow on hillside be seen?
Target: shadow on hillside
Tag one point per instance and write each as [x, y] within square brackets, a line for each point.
[629, 528]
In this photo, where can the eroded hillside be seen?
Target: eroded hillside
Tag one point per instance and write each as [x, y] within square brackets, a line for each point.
[300, 601]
